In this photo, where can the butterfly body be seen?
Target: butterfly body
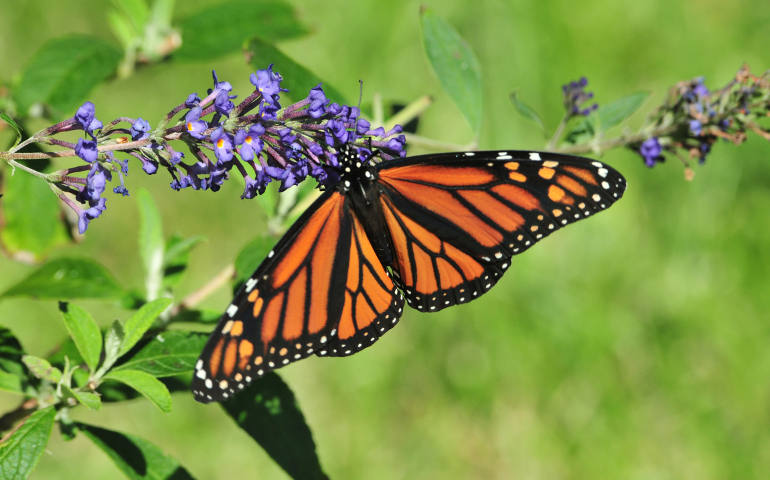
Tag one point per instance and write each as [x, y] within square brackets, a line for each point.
[432, 231]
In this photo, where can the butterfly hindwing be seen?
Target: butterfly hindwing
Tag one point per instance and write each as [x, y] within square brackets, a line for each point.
[321, 290]
[455, 220]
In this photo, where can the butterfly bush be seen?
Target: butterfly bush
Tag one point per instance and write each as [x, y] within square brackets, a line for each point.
[690, 121]
[257, 139]
[693, 117]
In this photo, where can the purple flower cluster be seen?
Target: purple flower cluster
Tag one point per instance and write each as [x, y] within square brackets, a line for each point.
[257, 138]
[575, 96]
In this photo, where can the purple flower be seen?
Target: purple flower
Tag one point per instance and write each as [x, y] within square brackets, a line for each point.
[222, 103]
[85, 115]
[336, 132]
[85, 216]
[575, 95]
[268, 82]
[223, 145]
[193, 100]
[223, 86]
[149, 166]
[86, 149]
[175, 157]
[318, 102]
[651, 151]
[139, 129]
[195, 126]
[695, 127]
[250, 142]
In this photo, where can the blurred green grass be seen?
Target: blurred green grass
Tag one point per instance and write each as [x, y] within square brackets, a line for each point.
[632, 345]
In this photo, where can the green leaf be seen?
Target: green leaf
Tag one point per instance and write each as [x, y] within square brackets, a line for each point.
[13, 373]
[141, 321]
[69, 350]
[268, 412]
[250, 256]
[622, 108]
[64, 71]
[20, 453]
[583, 131]
[117, 392]
[144, 383]
[223, 28]
[89, 399]
[456, 66]
[11, 383]
[7, 119]
[30, 228]
[137, 458]
[169, 353]
[135, 11]
[298, 79]
[41, 368]
[113, 340]
[84, 331]
[526, 111]
[150, 243]
[67, 278]
[176, 257]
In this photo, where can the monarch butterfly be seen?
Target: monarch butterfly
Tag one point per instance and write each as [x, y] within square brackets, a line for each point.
[431, 230]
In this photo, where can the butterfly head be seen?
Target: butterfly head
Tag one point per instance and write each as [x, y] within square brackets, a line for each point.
[355, 166]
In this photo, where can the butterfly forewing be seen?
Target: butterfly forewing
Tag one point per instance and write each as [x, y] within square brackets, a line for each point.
[321, 290]
[455, 220]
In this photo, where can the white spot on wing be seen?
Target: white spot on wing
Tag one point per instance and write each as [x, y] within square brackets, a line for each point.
[603, 172]
[534, 156]
[232, 310]
[250, 284]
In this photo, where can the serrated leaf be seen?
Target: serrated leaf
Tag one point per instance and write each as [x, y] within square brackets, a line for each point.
[13, 373]
[223, 28]
[456, 66]
[64, 71]
[169, 353]
[32, 222]
[91, 400]
[141, 321]
[267, 411]
[7, 119]
[144, 383]
[41, 368]
[84, 331]
[176, 257]
[150, 242]
[526, 111]
[67, 278]
[21, 452]
[298, 79]
[137, 458]
[615, 112]
[250, 256]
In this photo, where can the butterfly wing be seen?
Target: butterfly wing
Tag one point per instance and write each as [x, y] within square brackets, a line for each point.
[321, 290]
[455, 220]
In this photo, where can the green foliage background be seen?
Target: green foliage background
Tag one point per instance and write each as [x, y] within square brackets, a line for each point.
[632, 345]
